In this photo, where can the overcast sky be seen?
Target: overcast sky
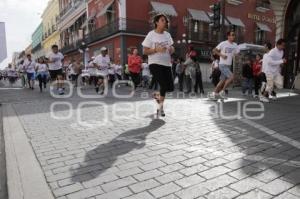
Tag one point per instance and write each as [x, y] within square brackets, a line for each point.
[21, 18]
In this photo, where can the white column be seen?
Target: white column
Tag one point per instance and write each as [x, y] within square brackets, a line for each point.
[279, 7]
[122, 14]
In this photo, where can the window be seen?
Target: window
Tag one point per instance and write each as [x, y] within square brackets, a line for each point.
[260, 36]
[196, 26]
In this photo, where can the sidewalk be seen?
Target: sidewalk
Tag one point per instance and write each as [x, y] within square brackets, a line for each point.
[192, 153]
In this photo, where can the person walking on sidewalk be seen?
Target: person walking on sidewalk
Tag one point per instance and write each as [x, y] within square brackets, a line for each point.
[180, 73]
[42, 73]
[55, 63]
[257, 68]
[226, 50]
[135, 66]
[29, 66]
[273, 70]
[247, 73]
[158, 45]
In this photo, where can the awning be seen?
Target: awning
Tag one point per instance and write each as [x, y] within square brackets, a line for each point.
[104, 9]
[236, 21]
[263, 27]
[199, 15]
[164, 8]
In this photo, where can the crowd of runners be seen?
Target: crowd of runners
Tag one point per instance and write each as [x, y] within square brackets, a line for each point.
[156, 68]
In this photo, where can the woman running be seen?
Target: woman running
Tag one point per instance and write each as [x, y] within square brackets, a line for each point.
[42, 73]
[158, 46]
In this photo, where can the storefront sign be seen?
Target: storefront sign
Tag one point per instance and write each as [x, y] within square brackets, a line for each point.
[262, 18]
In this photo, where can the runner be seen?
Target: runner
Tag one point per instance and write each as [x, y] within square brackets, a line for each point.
[74, 70]
[216, 73]
[55, 61]
[257, 69]
[102, 62]
[146, 75]
[42, 73]
[11, 74]
[273, 70]
[22, 74]
[29, 66]
[158, 46]
[264, 95]
[134, 67]
[226, 50]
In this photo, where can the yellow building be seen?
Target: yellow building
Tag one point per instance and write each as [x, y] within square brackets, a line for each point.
[49, 20]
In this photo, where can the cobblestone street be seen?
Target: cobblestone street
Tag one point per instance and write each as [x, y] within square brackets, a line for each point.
[191, 153]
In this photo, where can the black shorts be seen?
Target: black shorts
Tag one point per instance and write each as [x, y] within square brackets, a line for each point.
[55, 73]
[164, 76]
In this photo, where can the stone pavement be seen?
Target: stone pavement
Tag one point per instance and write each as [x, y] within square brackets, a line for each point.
[191, 153]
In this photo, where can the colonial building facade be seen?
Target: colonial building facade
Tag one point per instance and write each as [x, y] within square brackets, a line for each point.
[287, 14]
[121, 24]
[49, 21]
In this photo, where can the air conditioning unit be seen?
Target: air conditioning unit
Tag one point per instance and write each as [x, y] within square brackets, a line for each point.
[235, 2]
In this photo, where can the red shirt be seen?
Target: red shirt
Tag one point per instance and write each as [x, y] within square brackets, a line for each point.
[257, 66]
[134, 63]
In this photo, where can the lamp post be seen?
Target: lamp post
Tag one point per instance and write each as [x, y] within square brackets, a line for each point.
[83, 48]
[185, 42]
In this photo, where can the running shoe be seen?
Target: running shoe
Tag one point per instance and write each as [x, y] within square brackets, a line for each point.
[222, 95]
[264, 99]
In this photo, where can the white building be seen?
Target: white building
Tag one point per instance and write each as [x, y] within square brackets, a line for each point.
[3, 48]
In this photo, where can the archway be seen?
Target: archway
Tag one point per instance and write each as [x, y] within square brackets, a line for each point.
[292, 34]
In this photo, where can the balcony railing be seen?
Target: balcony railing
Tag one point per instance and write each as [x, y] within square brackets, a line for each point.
[116, 26]
[263, 5]
[70, 6]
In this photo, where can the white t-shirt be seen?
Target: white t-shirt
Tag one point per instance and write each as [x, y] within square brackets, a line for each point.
[215, 64]
[265, 63]
[146, 70]
[41, 68]
[154, 40]
[111, 69]
[29, 66]
[103, 63]
[118, 69]
[228, 49]
[57, 58]
[11, 72]
[275, 59]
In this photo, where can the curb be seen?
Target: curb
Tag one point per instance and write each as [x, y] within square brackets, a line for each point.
[25, 178]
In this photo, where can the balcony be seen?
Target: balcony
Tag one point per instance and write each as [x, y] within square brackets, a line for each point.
[235, 2]
[263, 5]
[72, 10]
[117, 26]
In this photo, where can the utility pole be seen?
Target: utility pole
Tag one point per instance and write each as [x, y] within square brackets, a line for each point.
[222, 31]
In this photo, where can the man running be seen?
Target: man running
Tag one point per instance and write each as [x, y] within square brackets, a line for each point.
[55, 60]
[29, 66]
[102, 62]
[226, 50]
[273, 70]
[264, 95]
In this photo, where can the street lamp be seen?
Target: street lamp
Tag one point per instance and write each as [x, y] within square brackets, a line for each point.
[83, 49]
[184, 41]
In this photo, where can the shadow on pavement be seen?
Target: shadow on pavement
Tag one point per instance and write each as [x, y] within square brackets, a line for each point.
[123, 144]
[266, 157]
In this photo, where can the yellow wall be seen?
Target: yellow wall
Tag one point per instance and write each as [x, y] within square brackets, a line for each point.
[49, 19]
